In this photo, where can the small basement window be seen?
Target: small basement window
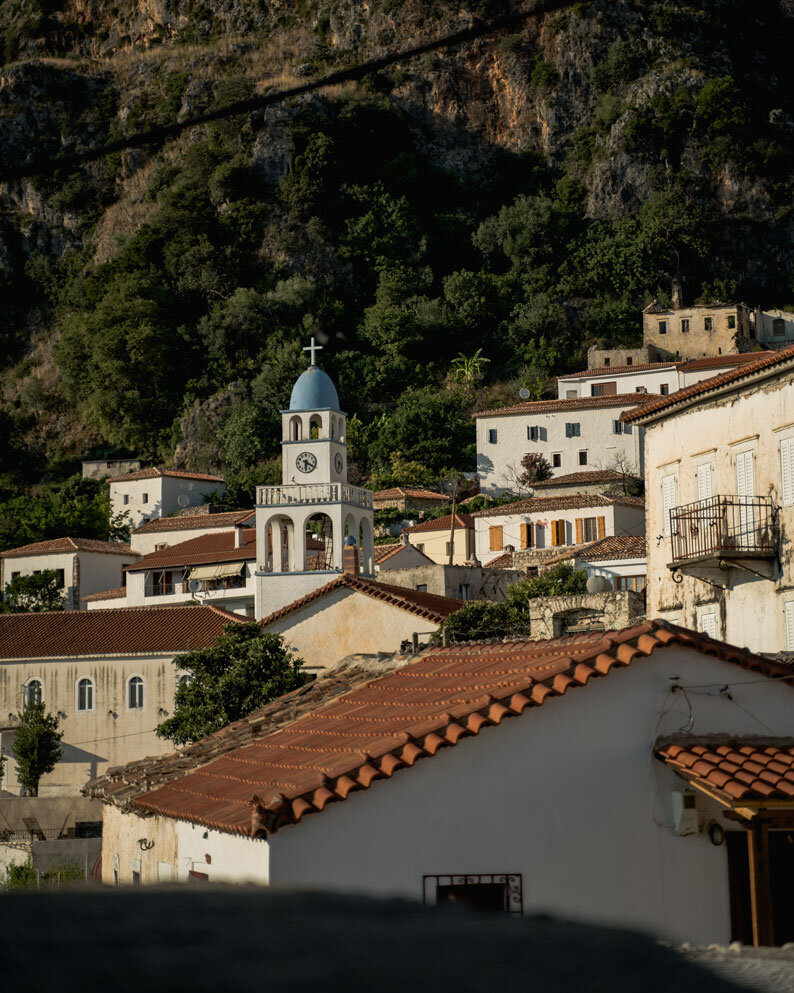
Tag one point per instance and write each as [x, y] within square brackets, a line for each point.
[501, 892]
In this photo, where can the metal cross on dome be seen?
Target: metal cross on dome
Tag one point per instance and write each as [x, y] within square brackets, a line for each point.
[313, 348]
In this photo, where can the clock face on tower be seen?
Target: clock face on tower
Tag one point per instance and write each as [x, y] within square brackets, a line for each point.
[339, 463]
[306, 462]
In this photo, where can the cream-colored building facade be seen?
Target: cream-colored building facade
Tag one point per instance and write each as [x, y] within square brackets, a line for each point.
[165, 531]
[720, 506]
[436, 540]
[156, 492]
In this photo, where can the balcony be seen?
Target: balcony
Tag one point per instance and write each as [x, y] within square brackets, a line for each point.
[313, 493]
[721, 529]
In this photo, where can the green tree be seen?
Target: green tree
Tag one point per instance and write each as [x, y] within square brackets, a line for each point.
[37, 746]
[535, 468]
[30, 594]
[245, 669]
[468, 370]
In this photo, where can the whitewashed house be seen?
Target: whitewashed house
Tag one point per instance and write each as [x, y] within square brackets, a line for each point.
[573, 435]
[398, 555]
[83, 566]
[164, 531]
[720, 504]
[109, 675]
[155, 492]
[528, 777]
[544, 524]
[620, 559]
[774, 328]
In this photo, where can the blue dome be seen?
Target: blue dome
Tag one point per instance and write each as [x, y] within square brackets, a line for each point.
[314, 390]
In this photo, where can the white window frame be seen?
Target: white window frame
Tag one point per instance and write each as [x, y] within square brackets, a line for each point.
[788, 624]
[127, 687]
[786, 460]
[667, 507]
[77, 707]
[705, 470]
[709, 611]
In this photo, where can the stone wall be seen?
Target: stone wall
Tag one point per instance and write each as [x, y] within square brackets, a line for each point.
[600, 358]
[552, 617]
[696, 341]
[446, 580]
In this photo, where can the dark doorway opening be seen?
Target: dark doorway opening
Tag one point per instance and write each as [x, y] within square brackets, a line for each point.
[781, 870]
[482, 896]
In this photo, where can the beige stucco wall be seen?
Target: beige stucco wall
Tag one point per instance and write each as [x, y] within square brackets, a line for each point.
[697, 342]
[406, 557]
[84, 572]
[147, 542]
[93, 740]
[434, 545]
[163, 494]
[120, 849]
[344, 622]
[651, 380]
[751, 611]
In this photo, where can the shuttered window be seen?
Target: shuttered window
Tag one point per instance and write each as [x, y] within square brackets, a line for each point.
[745, 474]
[704, 478]
[787, 471]
[558, 532]
[526, 535]
[788, 614]
[602, 527]
[579, 531]
[669, 484]
[708, 624]
[496, 539]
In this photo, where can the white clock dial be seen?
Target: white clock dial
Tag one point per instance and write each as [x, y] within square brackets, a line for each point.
[306, 462]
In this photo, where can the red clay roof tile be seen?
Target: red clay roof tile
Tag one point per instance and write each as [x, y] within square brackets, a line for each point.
[391, 722]
[203, 550]
[155, 473]
[577, 478]
[114, 594]
[66, 545]
[462, 521]
[618, 546]
[575, 501]
[402, 491]
[190, 522]
[574, 403]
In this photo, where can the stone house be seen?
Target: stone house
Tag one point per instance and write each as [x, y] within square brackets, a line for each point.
[423, 784]
[406, 498]
[110, 675]
[679, 332]
[154, 492]
[535, 529]
[573, 435]
[105, 469]
[720, 504]
[460, 582]
[609, 482]
[774, 328]
[83, 565]
[621, 559]
[435, 539]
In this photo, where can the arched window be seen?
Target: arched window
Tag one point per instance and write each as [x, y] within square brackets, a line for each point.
[34, 692]
[135, 693]
[85, 695]
[315, 427]
[333, 426]
[296, 429]
[184, 680]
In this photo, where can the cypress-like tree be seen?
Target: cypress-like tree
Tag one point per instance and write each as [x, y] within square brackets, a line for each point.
[37, 747]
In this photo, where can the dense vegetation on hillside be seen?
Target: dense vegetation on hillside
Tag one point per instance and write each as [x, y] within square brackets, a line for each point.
[521, 198]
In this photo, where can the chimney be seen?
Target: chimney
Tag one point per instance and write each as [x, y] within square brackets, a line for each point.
[238, 536]
[350, 556]
[676, 294]
[404, 538]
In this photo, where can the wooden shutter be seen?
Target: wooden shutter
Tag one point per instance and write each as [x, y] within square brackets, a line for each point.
[668, 501]
[708, 624]
[602, 528]
[705, 486]
[496, 540]
[579, 531]
[788, 613]
[745, 474]
[526, 535]
[787, 471]
[554, 534]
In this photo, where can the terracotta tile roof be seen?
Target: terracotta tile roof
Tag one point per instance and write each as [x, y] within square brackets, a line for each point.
[392, 722]
[462, 521]
[203, 550]
[503, 561]
[723, 361]
[577, 478]
[769, 361]
[579, 403]
[614, 370]
[155, 473]
[122, 784]
[401, 491]
[67, 545]
[618, 546]
[189, 522]
[428, 605]
[384, 551]
[116, 631]
[576, 501]
[748, 769]
[114, 594]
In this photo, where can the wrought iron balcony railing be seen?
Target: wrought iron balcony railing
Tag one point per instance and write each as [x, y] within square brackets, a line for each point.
[724, 527]
[303, 493]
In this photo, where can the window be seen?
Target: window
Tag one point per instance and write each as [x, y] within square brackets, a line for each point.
[664, 389]
[708, 324]
[788, 615]
[85, 695]
[558, 535]
[669, 485]
[731, 321]
[135, 693]
[161, 546]
[449, 547]
[629, 360]
[640, 389]
[617, 427]
[15, 575]
[709, 623]
[184, 680]
[60, 578]
[525, 531]
[495, 539]
[464, 591]
[34, 692]
[606, 361]
[533, 433]
[162, 582]
[145, 498]
[636, 583]
[421, 587]
[590, 529]
[604, 389]
[136, 872]
[583, 458]
[787, 471]
[704, 481]
[778, 327]
[571, 394]
[597, 390]
[556, 460]
[573, 430]
[501, 892]
[685, 324]
[662, 327]
[126, 499]
[421, 546]
[492, 436]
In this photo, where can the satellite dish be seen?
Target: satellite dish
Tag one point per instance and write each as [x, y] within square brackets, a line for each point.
[597, 584]
[183, 500]
[194, 585]
[524, 393]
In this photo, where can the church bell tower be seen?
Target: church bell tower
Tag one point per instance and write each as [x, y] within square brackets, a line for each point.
[303, 525]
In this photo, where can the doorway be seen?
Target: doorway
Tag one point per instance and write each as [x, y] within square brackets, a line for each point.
[781, 871]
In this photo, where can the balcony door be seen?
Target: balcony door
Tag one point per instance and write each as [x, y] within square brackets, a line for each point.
[745, 489]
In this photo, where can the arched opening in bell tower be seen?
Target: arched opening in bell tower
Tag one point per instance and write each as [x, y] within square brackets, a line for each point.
[315, 426]
[295, 429]
[319, 533]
